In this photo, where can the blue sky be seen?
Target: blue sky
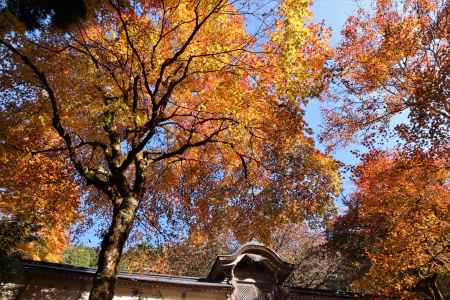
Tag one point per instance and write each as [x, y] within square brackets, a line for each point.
[334, 13]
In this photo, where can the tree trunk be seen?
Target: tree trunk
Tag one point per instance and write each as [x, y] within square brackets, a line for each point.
[111, 249]
[436, 288]
[432, 286]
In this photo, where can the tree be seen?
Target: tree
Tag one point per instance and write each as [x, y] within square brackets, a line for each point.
[393, 65]
[37, 190]
[396, 230]
[13, 235]
[80, 256]
[316, 267]
[171, 111]
[296, 243]
[186, 258]
[35, 13]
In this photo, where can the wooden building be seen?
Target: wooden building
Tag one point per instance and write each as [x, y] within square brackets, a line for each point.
[253, 272]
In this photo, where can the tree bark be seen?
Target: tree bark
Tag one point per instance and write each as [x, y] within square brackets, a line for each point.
[436, 289]
[111, 249]
[432, 288]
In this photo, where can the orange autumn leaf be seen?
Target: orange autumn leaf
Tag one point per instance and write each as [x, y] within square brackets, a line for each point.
[397, 225]
[179, 116]
[36, 188]
[393, 65]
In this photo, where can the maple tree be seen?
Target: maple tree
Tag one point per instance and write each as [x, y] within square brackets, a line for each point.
[392, 71]
[395, 233]
[393, 65]
[305, 247]
[172, 111]
[296, 243]
[37, 189]
[182, 258]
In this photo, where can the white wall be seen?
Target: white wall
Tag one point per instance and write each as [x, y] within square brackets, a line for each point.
[45, 288]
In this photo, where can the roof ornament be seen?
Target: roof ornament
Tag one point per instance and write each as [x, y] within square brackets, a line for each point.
[254, 270]
[256, 252]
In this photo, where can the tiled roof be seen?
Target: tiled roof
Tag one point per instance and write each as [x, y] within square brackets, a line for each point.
[173, 279]
[142, 277]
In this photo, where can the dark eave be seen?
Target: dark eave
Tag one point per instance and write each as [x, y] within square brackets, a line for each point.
[326, 293]
[172, 280]
[144, 277]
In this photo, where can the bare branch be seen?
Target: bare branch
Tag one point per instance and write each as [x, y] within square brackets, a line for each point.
[189, 145]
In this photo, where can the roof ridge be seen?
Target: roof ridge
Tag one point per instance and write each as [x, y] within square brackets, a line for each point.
[69, 267]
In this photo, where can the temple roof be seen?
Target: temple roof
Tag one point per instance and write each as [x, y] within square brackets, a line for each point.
[141, 277]
[256, 252]
[217, 279]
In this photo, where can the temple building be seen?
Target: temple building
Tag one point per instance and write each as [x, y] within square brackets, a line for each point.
[253, 272]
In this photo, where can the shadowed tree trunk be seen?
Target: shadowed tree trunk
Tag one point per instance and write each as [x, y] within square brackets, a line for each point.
[432, 288]
[111, 249]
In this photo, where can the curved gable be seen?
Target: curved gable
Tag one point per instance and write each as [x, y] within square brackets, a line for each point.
[253, 254]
